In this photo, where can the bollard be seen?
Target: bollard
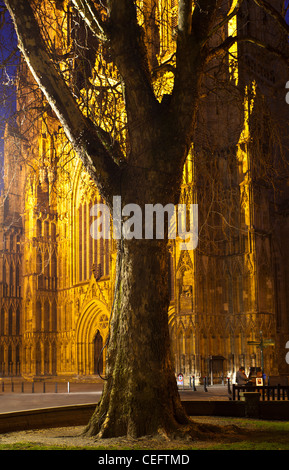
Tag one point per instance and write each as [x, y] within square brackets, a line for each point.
[205, 384]
[22, 387]
[68, 387]
[229, 387]
[194, 384]
[56, 387]
[12, 386]
[43, 387]
[32, 387]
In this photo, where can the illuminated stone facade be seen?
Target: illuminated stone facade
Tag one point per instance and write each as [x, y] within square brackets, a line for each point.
[57, 281]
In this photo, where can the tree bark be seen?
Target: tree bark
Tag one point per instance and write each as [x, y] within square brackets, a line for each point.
[140, 395]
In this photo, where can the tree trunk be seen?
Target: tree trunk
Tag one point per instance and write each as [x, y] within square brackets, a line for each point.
[140, 395]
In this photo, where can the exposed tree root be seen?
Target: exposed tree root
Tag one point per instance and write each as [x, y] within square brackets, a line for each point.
[189, 432]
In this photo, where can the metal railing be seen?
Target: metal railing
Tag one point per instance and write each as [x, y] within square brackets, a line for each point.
[267, 392]
[44, 387]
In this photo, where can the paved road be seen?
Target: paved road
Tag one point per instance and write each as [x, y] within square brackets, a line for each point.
[80, 394]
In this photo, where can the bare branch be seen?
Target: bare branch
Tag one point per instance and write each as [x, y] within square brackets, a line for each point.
[266, 6]
[86, 138]
[195, 26]
[127, 45]
[92, 18]
[225, 20]
[231, 40]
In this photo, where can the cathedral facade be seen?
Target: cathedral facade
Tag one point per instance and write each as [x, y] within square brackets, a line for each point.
[57, 279]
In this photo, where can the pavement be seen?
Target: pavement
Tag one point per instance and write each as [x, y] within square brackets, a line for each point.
[18, 398]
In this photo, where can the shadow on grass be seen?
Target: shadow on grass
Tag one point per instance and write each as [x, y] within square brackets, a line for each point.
[248, 434]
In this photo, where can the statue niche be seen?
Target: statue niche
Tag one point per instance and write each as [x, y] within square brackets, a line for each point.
[186, 292]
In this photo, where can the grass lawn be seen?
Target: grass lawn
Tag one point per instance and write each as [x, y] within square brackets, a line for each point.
[250, 435]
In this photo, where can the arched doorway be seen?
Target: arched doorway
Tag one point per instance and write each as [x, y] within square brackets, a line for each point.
[98, 353]
[91, 334]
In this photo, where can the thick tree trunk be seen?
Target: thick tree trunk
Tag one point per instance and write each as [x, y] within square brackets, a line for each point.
[140, 395]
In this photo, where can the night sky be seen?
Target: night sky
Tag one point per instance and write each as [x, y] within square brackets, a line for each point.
[9, 57]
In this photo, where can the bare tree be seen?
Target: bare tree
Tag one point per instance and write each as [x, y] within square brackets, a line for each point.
[140, 395]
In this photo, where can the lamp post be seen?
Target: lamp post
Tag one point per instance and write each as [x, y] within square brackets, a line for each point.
[262, 343]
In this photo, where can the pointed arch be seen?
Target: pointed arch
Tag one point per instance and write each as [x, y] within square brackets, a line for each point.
[94, 318]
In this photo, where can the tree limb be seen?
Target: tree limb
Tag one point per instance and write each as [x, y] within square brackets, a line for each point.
[231, 40]
[225, 20]
[88, 140]
[126, 40]
[266, 6]
[92, 18]
[193, 28]
[185, 17]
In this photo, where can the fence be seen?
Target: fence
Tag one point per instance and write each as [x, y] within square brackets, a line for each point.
[267, 392]
[45, 387]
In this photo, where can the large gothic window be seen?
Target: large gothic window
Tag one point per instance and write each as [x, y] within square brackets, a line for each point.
[93, 252]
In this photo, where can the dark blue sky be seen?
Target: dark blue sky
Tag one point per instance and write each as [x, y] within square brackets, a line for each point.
[8, 59]
[9, 56]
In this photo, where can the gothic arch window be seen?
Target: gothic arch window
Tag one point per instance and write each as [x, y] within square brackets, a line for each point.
[10, 321]
[46, 264]
[265, 290]
[10, 359]
[11, 242]
[39, 263]
[53, 270]
[54, 358]
[38, 315]
[39, 268]
[46, 315]
[38, 228]
[238, 290]
[18, 321]
[17, 279]
[46, 358]
[2, 358]
[53, 232]
[54, 316]
[93, 252]
[91, 240]
[85, 224]
[247, 283]
[38, 352]
[17, 354]
[80, 243]
[11, 278]
[228, 292]
[4, 271]
[18, 243]
[46, 229]
[2, 322]
[67, 316]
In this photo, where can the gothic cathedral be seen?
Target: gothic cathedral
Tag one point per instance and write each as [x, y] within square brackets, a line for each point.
[57, 280]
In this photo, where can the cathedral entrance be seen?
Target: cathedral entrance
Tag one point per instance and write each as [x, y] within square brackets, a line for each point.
[91, 334]
[98, 354]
